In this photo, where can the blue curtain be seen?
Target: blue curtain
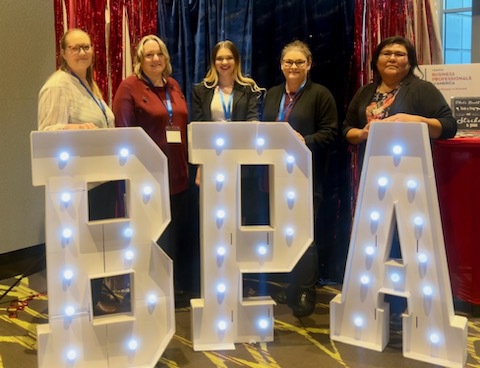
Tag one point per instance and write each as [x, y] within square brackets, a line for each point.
[191, 29]
[260, 29]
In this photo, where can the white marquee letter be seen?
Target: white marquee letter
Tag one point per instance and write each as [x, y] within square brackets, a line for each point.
[398, 186]
[80, 250]
[222, 317]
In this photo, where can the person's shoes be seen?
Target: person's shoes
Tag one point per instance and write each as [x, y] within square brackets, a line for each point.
[281, 297]
[325, 282]
[304, 304]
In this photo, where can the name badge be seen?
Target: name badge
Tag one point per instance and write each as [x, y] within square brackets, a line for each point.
[173, 134]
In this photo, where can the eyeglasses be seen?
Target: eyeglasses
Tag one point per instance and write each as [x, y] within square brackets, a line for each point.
[76, 49]
[151, 55]
[298, 63]
[389, 54]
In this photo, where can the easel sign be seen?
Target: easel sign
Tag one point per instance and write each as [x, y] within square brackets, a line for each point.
[467, 112]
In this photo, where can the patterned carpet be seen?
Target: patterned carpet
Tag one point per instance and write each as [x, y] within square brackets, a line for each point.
[298, 343]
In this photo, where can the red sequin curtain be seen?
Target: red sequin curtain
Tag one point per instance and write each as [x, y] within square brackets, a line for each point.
[91, 17]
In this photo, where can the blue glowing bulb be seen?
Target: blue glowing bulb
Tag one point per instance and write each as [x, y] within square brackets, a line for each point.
[69, 311]
[370, 250]
[222, 325]
[221, 251]
[66, 197]
[418, 221]
[68, 274]
[129, 255]
[124, 152]
[374, 216]
[427, 290]
[220, 142]
[289, 231]
[291, 195]
[128, 232]
[152, 299]
[358, 321]
[263, 323]
[262, 250]
[422, 258]
[411, 184]
[290, 159]
[67, 233]
[147, 190]
[365, 280]
[397, 150]
[220, 214]
[64, 156]
[221, 288]
[395, 277]
[132, 345]
[434, 338]
[383, 181]
[71, 355]
[220, 178]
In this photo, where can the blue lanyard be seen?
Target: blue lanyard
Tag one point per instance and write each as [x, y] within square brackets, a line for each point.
[227, 110]
[283, 112]
[167, 104]
[97, 101]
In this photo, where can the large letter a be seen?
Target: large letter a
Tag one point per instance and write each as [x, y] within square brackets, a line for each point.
[397, 188]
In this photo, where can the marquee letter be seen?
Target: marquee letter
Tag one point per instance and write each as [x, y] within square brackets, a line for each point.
[397, 187]
[222, 316]
[82, 251]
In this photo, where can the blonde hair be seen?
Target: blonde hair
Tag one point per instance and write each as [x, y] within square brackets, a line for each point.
[211, 78]
[90, 71]
[140, 56]
[299, 46]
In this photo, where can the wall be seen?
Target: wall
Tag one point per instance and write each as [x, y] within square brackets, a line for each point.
[27, 44]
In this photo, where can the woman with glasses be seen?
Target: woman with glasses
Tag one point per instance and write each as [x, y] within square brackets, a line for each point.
[397, 94]
[311, 111]
[150, 98]
[70, 99]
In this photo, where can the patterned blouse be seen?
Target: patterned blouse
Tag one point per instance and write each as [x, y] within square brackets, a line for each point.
[379, 108]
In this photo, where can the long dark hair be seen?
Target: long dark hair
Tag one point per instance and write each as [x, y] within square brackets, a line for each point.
[398, 40]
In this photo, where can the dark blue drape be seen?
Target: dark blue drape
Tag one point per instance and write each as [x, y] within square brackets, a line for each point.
[191, 29]
[260, 29]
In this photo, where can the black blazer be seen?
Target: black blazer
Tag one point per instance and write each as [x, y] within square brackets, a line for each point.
[245, 104]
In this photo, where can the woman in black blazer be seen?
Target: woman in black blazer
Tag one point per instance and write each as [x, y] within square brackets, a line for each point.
[225, 94]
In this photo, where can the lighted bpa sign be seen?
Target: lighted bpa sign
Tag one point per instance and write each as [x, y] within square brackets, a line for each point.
[397, 187]
[222, 316]
[118, 254]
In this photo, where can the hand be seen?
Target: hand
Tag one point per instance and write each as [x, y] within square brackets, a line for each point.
[404, 118]
[363, 134]
[300, 137]
[81, 126]
[197, 176]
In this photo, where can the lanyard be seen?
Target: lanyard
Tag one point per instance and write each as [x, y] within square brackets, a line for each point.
[227, 110]
[167, 103]
[284, 111]
[97, 101]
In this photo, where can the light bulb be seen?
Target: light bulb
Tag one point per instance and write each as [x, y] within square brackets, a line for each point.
[124, 152]
[397, 150]
[383, 181]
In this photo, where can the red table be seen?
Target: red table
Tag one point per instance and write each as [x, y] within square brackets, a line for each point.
[457, 171]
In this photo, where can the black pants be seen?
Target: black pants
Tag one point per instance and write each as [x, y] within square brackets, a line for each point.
[177, 242]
